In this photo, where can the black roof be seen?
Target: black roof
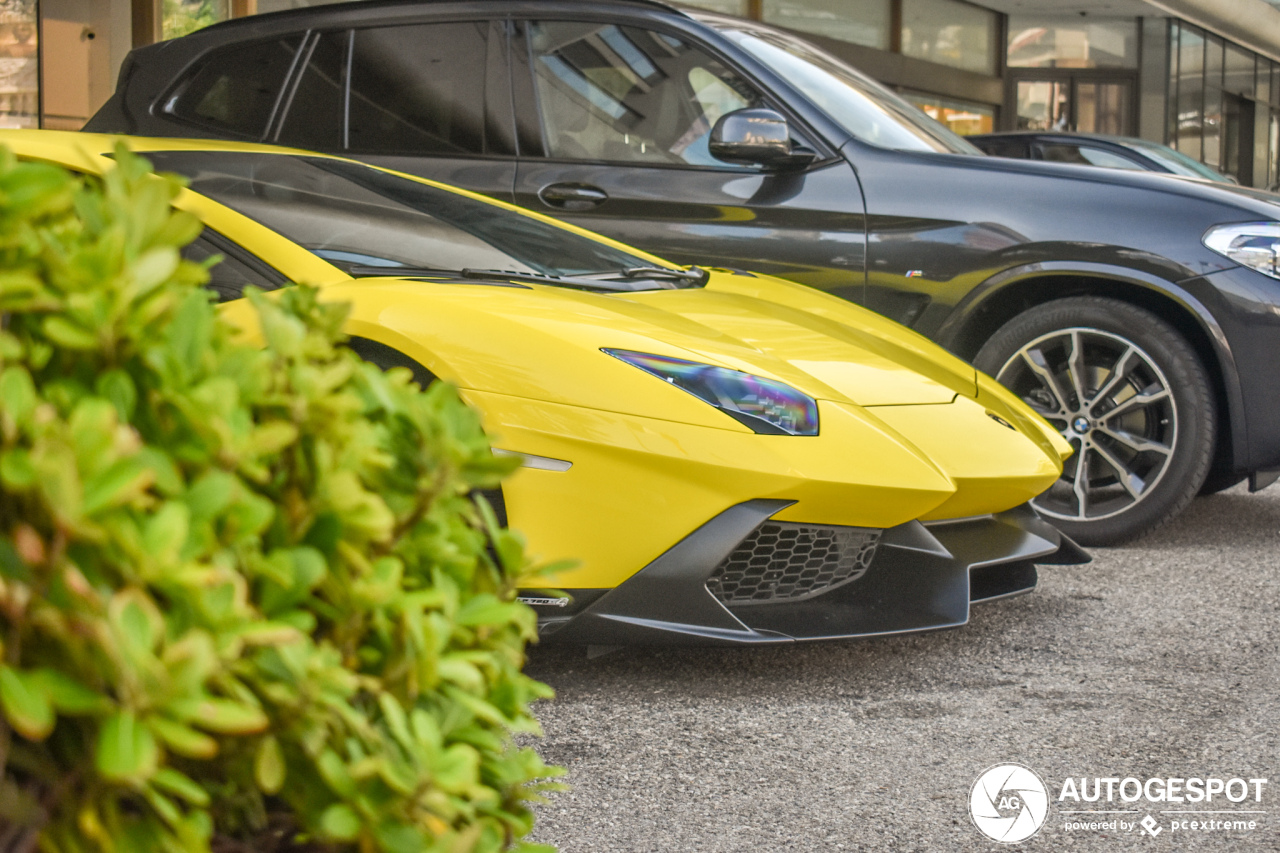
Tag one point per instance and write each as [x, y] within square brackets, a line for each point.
[328, 9]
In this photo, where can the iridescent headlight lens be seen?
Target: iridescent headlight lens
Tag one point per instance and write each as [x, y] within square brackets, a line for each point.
[768, 406]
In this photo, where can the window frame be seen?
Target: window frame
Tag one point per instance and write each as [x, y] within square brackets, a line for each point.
[528, 112]
[497, 111]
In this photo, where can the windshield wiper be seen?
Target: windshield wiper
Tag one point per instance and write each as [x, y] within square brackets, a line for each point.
[499, 276]
[694, 275]
[557, 280]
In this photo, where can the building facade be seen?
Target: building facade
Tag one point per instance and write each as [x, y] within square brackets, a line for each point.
[1200, 75]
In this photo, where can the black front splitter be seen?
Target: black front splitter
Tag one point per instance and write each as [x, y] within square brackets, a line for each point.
[924, 577]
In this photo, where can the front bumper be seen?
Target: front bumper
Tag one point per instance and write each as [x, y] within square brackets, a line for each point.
[923, 576]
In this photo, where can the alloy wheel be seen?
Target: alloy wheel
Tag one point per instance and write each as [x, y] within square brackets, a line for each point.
[1112, 403]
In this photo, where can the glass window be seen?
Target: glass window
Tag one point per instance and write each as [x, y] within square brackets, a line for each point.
[629, 95]
[19, 65]
[230, 275]
[419, 89]
[1177, 162]
[865, 22]
[950, 33]
[725, 7]
[1211, 152]
[1036, 42]
[234, 89]
[860, 105]
[1190, 101]
[1086, 155]
[314, 115]
[1043, 104]
[959, 117]
[187, 16]
[1237, 75]
[353, 215]
[1213, 56]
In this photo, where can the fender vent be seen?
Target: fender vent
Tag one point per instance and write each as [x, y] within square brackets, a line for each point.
[781, 561]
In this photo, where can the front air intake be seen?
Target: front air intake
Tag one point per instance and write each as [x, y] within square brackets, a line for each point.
[781, 561]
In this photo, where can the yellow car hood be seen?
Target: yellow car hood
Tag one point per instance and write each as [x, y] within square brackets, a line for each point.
[536, 341]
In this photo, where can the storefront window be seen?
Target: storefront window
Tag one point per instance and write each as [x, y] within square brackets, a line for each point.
[1237, 76]
[19, 64]
[959, 117]
[1036, 42]
[950, 33]
[725, 7]
[1189, 85]
[187, 16]
[865, 23]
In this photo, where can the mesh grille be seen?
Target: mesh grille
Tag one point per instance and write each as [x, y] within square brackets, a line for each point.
[780, 561]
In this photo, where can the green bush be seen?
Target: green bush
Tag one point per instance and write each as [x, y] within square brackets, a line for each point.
[244, 592]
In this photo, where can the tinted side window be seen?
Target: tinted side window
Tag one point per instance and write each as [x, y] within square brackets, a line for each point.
[230, 276]
[234, 89]
[624, 94]
[1015, 148]
[419, 89]
[1086, 155]
[314, 115]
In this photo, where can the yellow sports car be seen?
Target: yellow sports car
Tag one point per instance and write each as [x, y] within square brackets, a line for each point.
[732, 458]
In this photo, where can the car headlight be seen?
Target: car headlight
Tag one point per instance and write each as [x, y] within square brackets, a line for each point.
[1251, 244]
[768, 406]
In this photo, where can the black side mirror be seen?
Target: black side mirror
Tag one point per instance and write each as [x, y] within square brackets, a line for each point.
[757, 135]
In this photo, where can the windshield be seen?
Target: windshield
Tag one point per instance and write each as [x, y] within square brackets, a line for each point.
[1179, 163]
[862, 106]
[357, 217]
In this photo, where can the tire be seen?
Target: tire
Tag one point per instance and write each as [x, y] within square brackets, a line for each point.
[1145, 434]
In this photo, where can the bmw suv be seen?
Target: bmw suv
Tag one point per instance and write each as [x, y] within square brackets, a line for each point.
[1138, 314]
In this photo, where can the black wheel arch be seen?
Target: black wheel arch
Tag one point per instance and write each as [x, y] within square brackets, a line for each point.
[994, 303]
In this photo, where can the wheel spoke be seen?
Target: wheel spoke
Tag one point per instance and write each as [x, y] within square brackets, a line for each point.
[1135, 443]
[1081, 485]
[1075, 367]
[1145, 398]
[1133, 484]
[1040, 366]
[1118, 372]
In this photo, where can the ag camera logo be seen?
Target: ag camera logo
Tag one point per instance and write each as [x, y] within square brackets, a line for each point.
[1009, 803]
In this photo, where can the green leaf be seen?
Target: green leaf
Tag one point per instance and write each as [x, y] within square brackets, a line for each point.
[486, 609]
[171, 781]
[26, 705]
[340, 822]
[182, 739]
[120, 483]
[269, 766]
[17, 393]
[126, 750]
[68, 695]
[335, 774]
[228, 717]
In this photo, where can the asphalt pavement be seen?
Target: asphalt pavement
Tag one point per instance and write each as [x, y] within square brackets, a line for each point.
[1158, 660]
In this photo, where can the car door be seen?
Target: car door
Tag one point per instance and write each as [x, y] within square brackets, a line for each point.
[613, 122]
[430, 98]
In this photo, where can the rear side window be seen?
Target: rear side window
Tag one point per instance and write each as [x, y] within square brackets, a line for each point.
[234, 89]
[419, 89]
[314, 116]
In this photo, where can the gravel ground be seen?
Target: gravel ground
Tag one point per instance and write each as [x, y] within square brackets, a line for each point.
[1156, 660]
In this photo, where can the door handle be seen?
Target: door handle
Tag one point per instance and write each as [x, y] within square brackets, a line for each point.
[572, 196]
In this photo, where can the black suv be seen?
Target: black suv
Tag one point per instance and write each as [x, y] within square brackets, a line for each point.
[1139, 314]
